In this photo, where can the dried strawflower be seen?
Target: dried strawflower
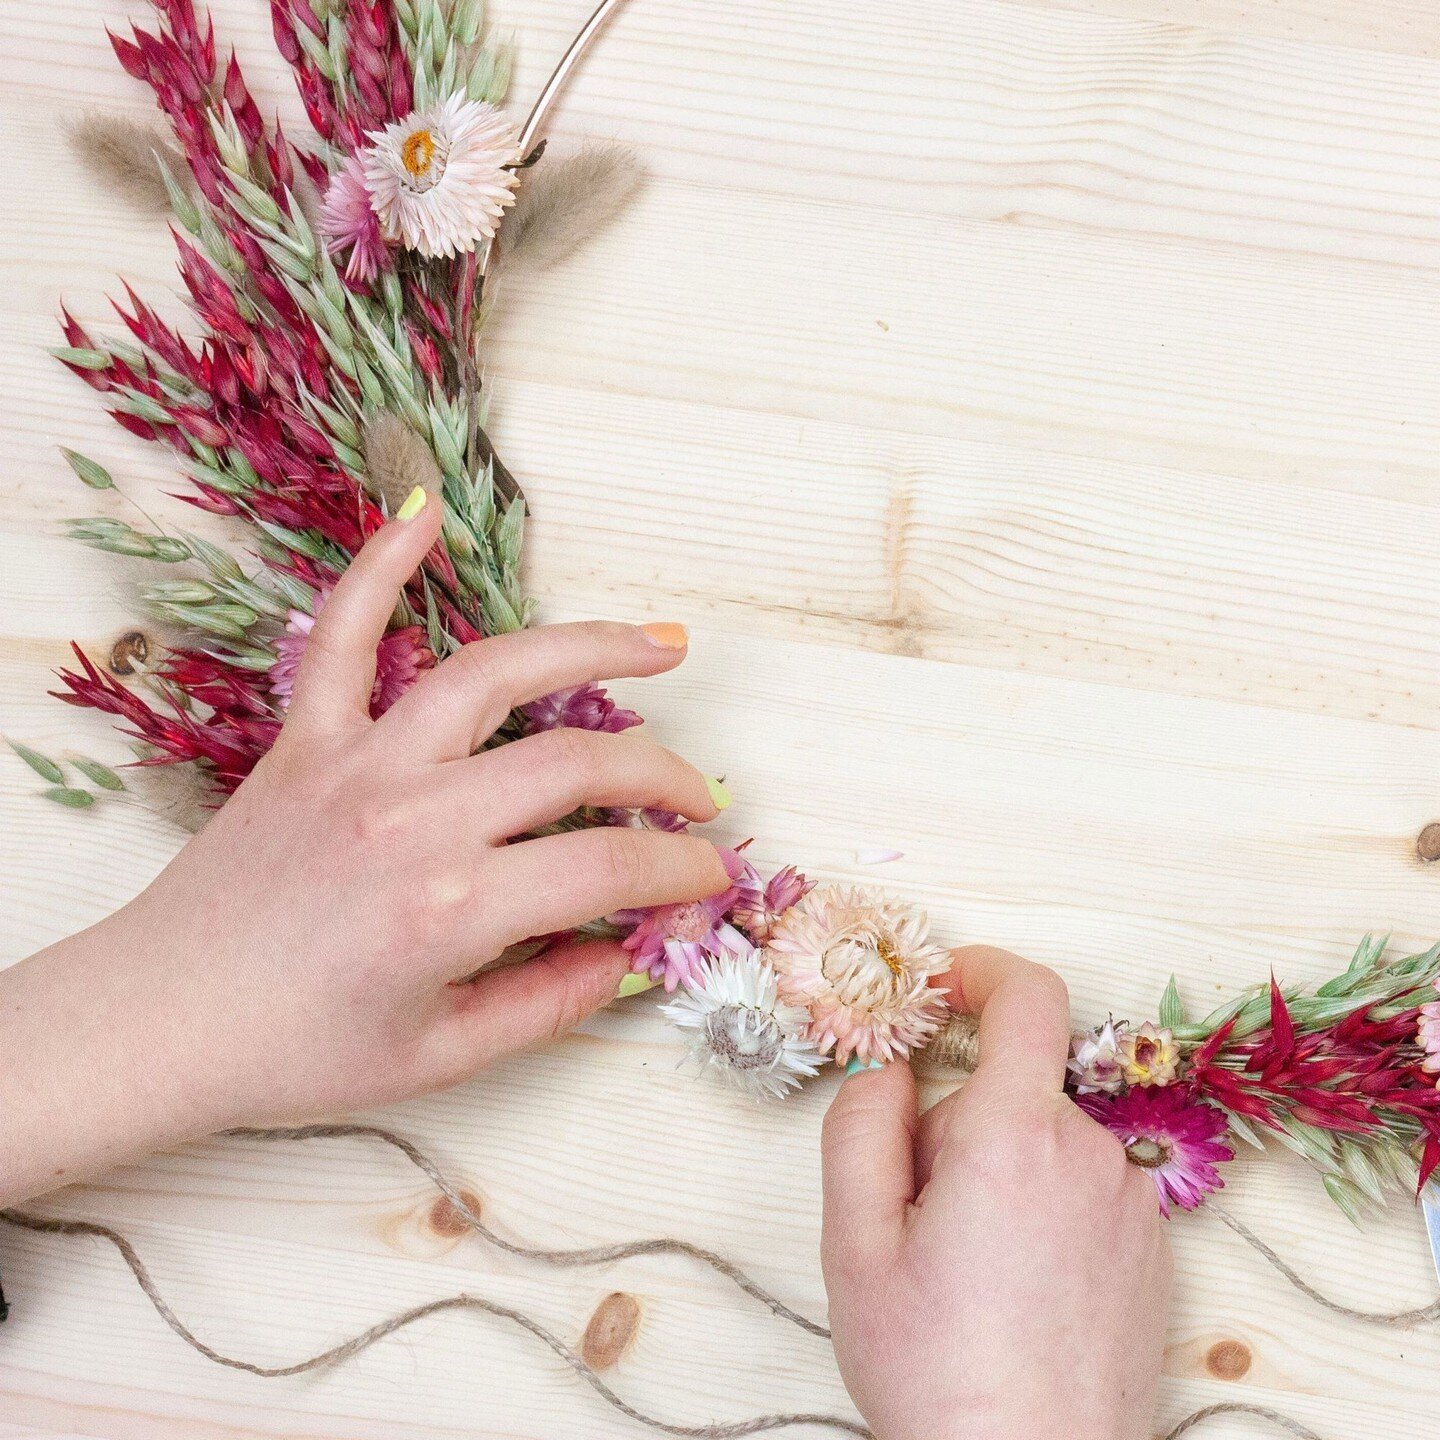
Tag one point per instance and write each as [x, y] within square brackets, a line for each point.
[439, 179]
[348, 222]
[125, 154]
[861, 964]
[1095, 1065]
[1172, 1135]
[397, 460]
[564, 200]
[1149, 1056]
[669, 942]
[737, 1025]
[400, 659]
[761, 903]
[582, 707]
[1428, 1035]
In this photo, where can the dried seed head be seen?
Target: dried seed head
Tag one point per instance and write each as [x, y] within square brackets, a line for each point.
[563, 201]
[397, 460]
[120, 152]
[180, 793]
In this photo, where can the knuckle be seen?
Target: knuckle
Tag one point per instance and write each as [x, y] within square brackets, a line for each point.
[377, 823]
[572, 1004]
[1047, 982]
[578, 754]
[478, 668]
[427, 909]
[622, 854]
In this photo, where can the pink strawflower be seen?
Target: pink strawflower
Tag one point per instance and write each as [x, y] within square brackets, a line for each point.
[349, 222]
[762, 903]
[1168, 1132]
[861, 963]
[669, 942]
[1429, 1035]
[1095, 1066]
[583, 707]
[400, 659]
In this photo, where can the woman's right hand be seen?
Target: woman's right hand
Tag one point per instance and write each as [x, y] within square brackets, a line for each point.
[304, 954]
[997, 1270]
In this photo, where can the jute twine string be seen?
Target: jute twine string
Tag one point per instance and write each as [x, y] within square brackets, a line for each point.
[348, 1349]
[955, 1049]
[567, 1259]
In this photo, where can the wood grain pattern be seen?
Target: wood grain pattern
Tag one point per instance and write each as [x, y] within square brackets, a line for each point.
[1033, 399]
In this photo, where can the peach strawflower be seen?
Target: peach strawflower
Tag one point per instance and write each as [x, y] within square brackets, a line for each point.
[861, 964]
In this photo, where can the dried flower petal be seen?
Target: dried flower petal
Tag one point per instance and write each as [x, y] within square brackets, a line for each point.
[1149, 1056]
[1172, 1135]
[861, 963]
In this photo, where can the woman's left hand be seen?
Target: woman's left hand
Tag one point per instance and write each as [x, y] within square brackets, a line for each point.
[310, 951]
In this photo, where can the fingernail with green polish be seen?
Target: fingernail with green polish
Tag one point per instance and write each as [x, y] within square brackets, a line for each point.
[634, 985]
[857, 1065]
[414, 504]
[718, 793]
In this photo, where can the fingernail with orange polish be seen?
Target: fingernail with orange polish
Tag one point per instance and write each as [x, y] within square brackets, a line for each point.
[666, 635]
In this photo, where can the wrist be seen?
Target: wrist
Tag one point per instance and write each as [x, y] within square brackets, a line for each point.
[99, 1064]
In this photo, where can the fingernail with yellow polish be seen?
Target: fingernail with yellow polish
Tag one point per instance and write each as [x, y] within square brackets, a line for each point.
[666, 635]
[718, 793]
[634, 985]
[414, 504]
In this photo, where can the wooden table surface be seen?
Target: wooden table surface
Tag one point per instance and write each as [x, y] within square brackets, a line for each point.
[1031, 406]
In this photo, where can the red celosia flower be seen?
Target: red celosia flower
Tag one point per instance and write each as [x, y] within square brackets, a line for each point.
[1360, 1076]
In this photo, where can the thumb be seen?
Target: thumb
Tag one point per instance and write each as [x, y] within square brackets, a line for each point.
[516, 1006]
[867, 1165]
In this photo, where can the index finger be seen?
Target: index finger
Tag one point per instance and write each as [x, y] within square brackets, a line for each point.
[1023, 1010]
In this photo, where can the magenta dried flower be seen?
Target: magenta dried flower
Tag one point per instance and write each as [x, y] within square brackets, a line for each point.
[1168, 1132]
[583, 707]
[761, 903]
[400, 659]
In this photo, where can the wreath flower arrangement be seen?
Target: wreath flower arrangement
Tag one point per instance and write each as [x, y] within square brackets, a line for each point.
[339, 287]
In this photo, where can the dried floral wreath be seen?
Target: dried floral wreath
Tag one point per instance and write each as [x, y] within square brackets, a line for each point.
[339, 286]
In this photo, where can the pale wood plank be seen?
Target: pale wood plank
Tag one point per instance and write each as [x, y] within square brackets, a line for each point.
[1105, 570]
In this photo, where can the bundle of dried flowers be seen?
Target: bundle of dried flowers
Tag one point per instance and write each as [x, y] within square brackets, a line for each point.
[337, 288]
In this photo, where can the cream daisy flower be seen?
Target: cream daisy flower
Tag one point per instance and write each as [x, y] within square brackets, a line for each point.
[738, 1025]
[861, 964]
[437, 179]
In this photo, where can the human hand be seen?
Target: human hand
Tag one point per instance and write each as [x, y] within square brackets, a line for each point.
[305, 952]
[996, 1268]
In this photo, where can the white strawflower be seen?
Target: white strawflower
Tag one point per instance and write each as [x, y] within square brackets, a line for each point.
[437, 179]
[738, 1025]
